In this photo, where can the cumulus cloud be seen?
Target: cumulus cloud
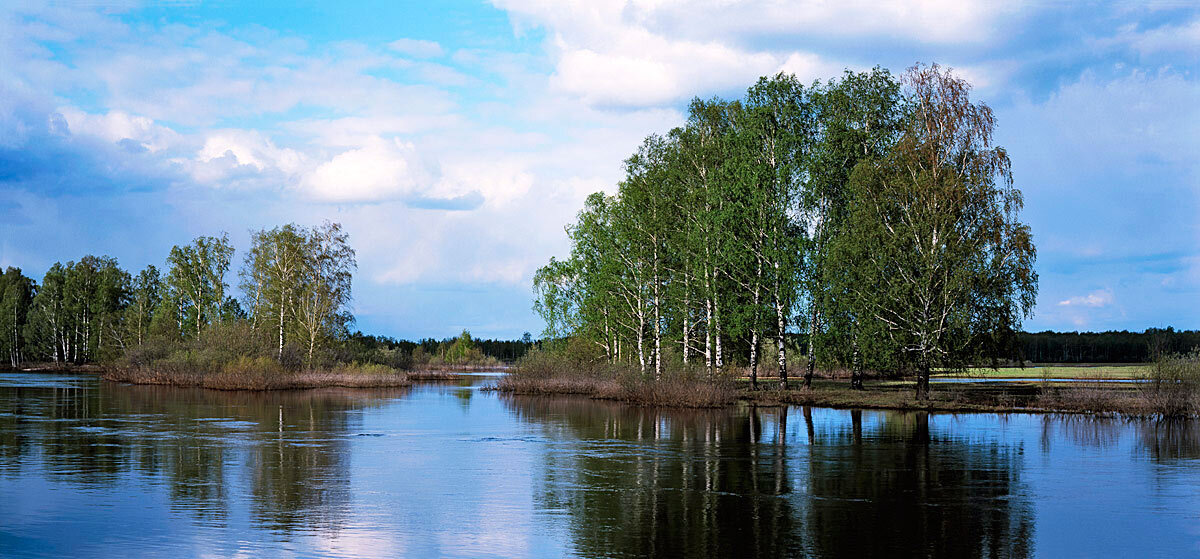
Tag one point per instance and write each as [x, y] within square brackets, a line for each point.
[119, 126]
[1095, 299]
[249, 147]
[378, 170]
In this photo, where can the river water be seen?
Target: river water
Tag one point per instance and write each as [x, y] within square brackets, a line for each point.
[96, 469]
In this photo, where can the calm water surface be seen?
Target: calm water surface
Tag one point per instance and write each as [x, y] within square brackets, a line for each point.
[94, 469]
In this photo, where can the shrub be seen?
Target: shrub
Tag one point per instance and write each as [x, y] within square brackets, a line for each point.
[1173, 387]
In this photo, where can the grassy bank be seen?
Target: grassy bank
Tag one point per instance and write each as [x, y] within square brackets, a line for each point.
[1079, 372]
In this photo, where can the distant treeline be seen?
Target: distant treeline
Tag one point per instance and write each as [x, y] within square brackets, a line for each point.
[1105, 347]
[405, 354]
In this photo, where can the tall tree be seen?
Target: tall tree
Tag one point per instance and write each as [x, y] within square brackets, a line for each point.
[48, 327]
[325, 282]
[197, 275]
[273, 272]
[860, 117]
[780, 121]
[703, 149]
[944, 264]
[16, 298]
[145, 299]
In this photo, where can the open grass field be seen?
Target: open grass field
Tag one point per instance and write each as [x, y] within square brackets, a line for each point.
[1134, 371]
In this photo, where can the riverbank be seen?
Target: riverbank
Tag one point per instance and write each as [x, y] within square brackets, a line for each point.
[1100, 397]
[673, 392]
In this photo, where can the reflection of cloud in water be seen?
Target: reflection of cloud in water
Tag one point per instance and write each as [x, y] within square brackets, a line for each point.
[359, 542]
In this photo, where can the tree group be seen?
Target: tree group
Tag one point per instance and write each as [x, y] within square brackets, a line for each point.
[296, 283]
[872, 215]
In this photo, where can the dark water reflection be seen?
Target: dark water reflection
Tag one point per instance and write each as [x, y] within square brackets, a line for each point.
[742, 484]
[446, 470]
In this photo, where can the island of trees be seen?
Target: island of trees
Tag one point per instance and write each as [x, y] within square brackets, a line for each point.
[866, 223]
[874, 214]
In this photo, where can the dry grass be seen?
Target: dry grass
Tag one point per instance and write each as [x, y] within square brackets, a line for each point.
[1093, 399]
[434, 375]
[545, 374]
[260, 374]
[678, 392]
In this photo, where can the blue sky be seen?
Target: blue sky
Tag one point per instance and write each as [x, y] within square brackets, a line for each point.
[455, 140]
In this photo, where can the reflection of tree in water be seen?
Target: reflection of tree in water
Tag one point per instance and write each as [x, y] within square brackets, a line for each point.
[644, 482]
[896, 489]
[1086, 431]
[298, 468]
[738, 483]
[1161, 440]
[1170, 440]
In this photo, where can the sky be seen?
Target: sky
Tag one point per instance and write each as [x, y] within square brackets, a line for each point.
[455, 140]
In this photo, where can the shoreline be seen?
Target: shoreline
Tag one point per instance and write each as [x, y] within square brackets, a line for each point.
[335, 377]
[1096, 398]
[1101, 397]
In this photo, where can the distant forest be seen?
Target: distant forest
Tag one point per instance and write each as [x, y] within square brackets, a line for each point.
[360, 344]
[1105, 347]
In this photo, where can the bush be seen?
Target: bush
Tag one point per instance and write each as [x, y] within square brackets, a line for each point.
[1173, 387]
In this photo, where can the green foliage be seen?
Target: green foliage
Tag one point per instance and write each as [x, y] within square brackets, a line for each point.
[16, 299]
[934, 253]
[879, 207]
[297, 281]
[77, 315]
[196, 281]
[462, 351]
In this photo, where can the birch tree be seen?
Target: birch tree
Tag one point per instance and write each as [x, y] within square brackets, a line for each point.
[145, 299]
[325, 282]
[275, 265]
[947, 266]
[16, 299]
[860, 119]
[196, 272]
[780, 121]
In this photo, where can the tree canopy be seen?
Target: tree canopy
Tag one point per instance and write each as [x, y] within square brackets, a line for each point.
[873, 213]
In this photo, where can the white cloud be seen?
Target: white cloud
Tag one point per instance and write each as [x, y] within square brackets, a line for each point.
[378, 170]
[417, 48]
[119, 126]
[1096, 299]
[241, 157]
[655, 52]
[1168, 38]
[355, 130]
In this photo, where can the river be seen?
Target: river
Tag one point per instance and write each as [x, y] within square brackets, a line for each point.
[95, 469]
